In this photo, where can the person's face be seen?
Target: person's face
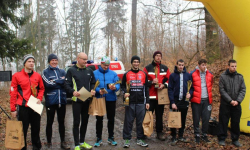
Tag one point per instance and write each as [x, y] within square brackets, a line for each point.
[29, 64]
[202, 67]
[135, 64]
[53, 62]
[104, 66]
[157, 58]
[232, 67]
[82, 60]
[180, 66]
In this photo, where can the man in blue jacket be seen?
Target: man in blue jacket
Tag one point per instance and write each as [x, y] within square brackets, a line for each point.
[177, 91]
[55, 98]
[106, 78]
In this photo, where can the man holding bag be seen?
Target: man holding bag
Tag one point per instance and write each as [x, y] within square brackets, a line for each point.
[25, 83]
[79, 76]
[158, 76]
[138, 101]
[177, 91]
[106, 78]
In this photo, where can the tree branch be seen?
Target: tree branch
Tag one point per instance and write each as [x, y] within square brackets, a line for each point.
[167, 13]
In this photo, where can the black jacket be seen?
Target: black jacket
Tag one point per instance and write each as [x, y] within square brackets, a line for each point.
[232, 87]
[174, 88]
[138, 80]
[84, 77]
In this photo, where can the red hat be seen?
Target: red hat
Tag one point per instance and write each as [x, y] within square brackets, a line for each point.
[157, 52]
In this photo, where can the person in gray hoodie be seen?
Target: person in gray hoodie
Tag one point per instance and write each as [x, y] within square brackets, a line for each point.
[232, 89]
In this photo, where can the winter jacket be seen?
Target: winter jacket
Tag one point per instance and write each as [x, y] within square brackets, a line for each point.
[106, 77]
[20, 90]
[53, 79]
[76, 78]
[232, 87]
[138, 86]
[196, 86]
[162, 76]
[174, 88]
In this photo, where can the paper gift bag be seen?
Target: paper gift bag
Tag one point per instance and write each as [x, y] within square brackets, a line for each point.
[14, 138]
[163, 98]
[174, 120]
[97, 107]
[148, 123]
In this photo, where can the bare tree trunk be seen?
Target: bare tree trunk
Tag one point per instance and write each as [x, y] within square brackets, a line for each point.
[134, 30]
[212, 39]
[39, 36]
[3, 62]
[66, 26]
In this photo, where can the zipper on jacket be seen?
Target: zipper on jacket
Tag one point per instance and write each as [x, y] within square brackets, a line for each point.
[104, 82]
[59, 94]
[136, 87]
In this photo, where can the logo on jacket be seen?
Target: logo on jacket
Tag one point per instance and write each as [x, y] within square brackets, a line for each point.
[139, 76]
[209, 107]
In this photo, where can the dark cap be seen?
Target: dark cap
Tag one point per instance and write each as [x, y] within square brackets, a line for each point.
[135, 58]
[157, 52]
[52, 56]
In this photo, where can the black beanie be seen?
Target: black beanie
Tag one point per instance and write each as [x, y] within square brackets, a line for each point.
[135, 58]
[157, 52]
[52, 56]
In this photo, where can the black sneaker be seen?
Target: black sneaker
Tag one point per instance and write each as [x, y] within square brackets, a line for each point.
[64, 145]
[173, 141]
[161, 136]
[49, 145]
[237, 143]
[205, 139]
[222, 143]
[182, 139]
[197, 139]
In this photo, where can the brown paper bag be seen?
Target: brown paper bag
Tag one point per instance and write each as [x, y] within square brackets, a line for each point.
[97, 107]
[148, 123]
[14, 138]
[174, 119]
[163, 98]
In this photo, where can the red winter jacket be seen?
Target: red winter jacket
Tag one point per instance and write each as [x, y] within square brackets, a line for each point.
[196, 86]
[20, 90]
[162, 76]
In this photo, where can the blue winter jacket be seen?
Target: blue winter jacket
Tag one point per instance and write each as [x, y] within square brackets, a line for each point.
[53, 79]
[106, 77]
[174, 87]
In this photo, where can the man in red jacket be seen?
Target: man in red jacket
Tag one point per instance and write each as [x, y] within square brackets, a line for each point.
[201, 91]
[24, 84]
[157, 82]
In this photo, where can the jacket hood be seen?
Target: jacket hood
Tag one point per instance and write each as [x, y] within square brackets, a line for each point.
[103, 71]
[176, 70]
[197, 68]
[231, 74]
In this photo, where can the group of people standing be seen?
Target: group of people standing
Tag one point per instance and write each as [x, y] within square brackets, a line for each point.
[55, 84]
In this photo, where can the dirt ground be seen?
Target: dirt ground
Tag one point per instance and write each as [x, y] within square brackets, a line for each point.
[154, 143]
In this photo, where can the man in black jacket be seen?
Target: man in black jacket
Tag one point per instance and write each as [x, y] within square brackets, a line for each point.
[232, 90]
[177, 92]
[79, 76]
